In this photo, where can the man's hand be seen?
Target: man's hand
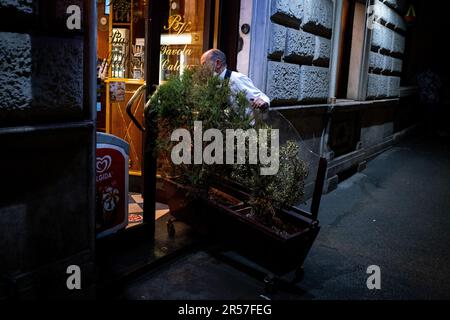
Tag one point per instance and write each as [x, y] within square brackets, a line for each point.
[259, 104]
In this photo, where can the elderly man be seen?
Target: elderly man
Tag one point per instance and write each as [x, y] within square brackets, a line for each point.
[217, 60]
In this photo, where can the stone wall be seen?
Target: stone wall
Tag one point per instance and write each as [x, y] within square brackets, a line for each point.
[388, 46]
[47, 135]
[298, 59]
[299, 51]
[41, 72]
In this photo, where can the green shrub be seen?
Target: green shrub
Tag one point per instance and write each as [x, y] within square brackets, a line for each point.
[199, 96]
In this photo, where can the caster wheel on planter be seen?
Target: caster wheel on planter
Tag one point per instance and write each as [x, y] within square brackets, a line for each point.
[170, 228]
[270, 284]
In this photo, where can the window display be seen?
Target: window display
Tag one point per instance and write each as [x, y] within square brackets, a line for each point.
[121, 55]
[182, 38]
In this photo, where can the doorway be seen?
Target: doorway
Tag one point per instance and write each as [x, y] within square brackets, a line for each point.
[141, 44]
[228, 35]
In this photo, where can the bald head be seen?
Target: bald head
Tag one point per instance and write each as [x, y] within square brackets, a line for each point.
[216, 59]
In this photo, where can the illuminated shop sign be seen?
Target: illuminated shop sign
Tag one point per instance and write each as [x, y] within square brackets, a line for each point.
[178, 46]
[177, 25]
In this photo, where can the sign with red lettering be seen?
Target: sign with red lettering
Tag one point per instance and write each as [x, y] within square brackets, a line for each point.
[111, 189]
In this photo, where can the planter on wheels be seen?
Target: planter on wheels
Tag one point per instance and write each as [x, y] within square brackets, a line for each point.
[224, 214]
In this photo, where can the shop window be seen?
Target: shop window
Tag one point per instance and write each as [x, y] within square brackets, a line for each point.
[188, 28]
[121, 59]
[182, 39]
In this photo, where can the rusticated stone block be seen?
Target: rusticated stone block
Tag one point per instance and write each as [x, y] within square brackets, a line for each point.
[377, 86]
[282, 81]
[394, 4]
[398, 43]
[318, 17]
[300, 46]
[376, 61]
[322, 52]
[277, 40]
[382, 38]
[397, 65]
[58, 74]
[41, 77]
[287, 12]
[15, 71]
[393, 87]
[314, 84]
[20, 6]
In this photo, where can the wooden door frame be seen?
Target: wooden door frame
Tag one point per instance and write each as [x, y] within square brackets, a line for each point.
[228, 30]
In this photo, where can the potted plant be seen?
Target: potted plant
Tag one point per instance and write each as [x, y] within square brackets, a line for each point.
[233, 201]
[196, 96]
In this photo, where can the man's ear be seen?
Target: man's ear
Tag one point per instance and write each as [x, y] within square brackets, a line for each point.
[218, 65]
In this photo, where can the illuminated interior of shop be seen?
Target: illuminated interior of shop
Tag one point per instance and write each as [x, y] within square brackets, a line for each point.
[121, 71]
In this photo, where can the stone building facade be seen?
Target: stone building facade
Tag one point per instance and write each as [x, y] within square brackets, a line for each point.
[299, 51]
[47, 118]
[388, 46]
[294, 55]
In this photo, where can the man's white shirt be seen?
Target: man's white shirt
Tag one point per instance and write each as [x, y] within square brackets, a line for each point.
[241, 83]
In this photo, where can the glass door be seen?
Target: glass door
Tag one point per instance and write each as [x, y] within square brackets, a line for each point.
[182, 38]
[186, 31]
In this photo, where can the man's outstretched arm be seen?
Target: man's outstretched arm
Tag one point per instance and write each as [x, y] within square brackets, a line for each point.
[257, 98]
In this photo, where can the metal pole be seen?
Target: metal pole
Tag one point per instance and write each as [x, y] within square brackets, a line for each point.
[336, 41]
[156, 12]
[90, 98]
[334, 64]
[364, 74]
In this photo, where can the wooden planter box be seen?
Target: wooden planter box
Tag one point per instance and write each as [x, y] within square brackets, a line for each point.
[224, 217]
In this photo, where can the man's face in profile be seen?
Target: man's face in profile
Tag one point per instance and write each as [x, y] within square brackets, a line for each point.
[214, 66]
[204, 59]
